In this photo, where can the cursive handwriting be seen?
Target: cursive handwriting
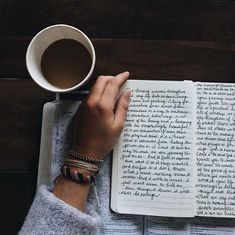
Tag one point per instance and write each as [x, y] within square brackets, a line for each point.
[156, 153]
[215, 148]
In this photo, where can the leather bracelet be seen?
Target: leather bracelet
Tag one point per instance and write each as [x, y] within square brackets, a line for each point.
[76, 176]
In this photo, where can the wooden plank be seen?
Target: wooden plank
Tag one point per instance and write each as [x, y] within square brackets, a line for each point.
[16, 195]
[145, 59]
[21, 112]
[12, 56]
[163, 19]
[166, 60]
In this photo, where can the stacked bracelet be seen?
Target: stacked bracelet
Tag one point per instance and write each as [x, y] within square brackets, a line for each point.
[76, 176]
[71, 168]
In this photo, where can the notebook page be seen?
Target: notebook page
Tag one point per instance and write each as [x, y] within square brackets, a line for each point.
[44, 173]
[215, 149]
[62, 133]
[55, 138]
[153, 160]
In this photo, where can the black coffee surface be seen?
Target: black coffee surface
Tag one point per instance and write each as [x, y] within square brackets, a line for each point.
[65, 63]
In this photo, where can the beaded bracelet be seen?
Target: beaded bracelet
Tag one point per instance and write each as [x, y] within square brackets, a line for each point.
[76, 176]
[84, 158]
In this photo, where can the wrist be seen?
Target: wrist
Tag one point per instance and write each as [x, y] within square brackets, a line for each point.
[68, 191]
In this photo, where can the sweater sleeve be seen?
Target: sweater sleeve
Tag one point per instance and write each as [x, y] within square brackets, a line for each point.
[50, 215]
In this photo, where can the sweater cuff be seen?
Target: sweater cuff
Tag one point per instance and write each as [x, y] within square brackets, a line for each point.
[54, 216]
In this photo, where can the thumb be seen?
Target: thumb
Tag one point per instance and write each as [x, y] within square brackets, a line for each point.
[121, 110]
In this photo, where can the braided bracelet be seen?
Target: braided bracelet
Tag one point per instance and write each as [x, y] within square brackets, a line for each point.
[74, 166]
[77, 177]
[84, 158]
[83, 165]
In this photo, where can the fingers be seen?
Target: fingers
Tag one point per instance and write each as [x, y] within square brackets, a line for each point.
[111, 90]
[98, 89]
[121, 110]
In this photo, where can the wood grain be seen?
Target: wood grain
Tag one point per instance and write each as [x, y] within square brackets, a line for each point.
[145, 59]
[21, 112]
[16, 195]
[207, 20]
[165, 60]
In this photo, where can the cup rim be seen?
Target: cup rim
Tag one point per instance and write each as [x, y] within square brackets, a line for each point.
[60, 90]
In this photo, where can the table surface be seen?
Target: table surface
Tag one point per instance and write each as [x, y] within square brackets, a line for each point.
[167, 40]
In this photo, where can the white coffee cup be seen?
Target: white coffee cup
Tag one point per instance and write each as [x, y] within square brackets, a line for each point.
[43, 40]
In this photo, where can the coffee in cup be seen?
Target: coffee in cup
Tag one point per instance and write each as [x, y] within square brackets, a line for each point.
[60, 58]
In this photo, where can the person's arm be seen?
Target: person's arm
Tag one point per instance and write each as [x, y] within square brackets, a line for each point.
[98, 124]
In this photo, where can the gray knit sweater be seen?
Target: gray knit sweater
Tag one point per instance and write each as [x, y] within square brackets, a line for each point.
[50, 215]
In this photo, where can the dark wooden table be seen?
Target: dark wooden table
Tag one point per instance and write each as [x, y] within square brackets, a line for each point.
[168, 39]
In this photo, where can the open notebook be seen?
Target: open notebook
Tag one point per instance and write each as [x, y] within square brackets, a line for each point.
[176, 155]
[55, 141]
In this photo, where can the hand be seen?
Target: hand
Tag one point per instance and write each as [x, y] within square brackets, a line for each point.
[98, 124]
[100, 119]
